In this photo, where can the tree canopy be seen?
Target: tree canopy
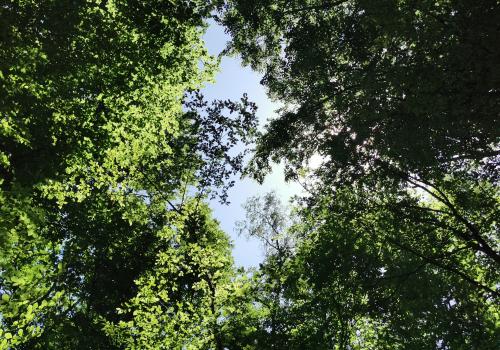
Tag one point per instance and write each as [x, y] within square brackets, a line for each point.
[397, 241]
[373, 86]
[109, 154]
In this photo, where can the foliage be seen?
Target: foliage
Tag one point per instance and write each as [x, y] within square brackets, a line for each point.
[396, 239]
[374, 87]
[414, 284]
[363, 276]
[267, 220]
[30, 271]
[179, 302]
[104, 139]
[108, 152]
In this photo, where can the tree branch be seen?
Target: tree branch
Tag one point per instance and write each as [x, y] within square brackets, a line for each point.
[324, 6]
[438, 264]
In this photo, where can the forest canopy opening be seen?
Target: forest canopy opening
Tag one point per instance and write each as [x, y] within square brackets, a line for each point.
[110, 154]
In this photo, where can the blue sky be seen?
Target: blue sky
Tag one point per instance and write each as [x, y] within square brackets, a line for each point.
[232, 81]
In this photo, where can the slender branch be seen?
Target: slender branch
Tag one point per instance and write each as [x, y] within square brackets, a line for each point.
[438, 264]
[430, 209]
[218, 341]
[475, 234]
[162, 195]
[324, 6]
[183, 195]
[474, 155]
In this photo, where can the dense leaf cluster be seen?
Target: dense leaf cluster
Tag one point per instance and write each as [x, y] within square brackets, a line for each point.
[409, 85]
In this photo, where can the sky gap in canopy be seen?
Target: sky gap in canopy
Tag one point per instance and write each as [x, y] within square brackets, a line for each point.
[232, 81]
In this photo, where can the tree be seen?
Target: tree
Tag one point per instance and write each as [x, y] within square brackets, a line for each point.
[375, 88]
[389, 97]
[400, 101]
[363, 276]
[104, 139]
[179, 301]
[375, 271]
[268, 220]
